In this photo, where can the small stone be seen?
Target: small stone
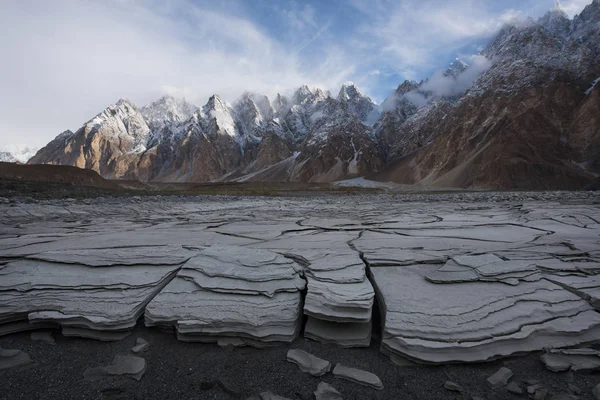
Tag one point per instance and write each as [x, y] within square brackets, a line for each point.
[308, 363]
[141, 346]
[581, 359]
[327, 392]
[11, 358]
[534, 388]
[514, 388]
[453, 387]
[271, 396]
[130, 366]
[596, 392]
[358, 376]
[4, 200]
[500, 378]
[532, 382]
[228, 386]
[45, 337]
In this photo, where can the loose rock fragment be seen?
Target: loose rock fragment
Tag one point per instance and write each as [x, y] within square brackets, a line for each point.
[140, 346]
[229, 386]
[571, 359]
[45, 337]
[358, 376]
[327, 392]
[500, 378]
[534, 388]
[130, 366]
[11, 358]
[308, 363]
[453, 387]
[514, 388]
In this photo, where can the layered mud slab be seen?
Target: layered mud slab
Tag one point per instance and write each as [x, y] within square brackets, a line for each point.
[432, 279]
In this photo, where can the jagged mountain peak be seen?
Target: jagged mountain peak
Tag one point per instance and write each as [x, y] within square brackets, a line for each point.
[123, 109]
[406, 86]
[215, 103]
[167, 110]
[456, 68]
[302, 94]
[319, 95]
[122, 119]
[124, 102]
[348, 91]
[556, 20]
[217, 111]
[281, 105]
[260, 101]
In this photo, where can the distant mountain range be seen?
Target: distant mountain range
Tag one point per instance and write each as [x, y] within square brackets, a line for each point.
[17, 153]
[522, 114]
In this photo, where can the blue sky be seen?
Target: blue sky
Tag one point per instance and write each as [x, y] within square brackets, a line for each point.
[65, 60]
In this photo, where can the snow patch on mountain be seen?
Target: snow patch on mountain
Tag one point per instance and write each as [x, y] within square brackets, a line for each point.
[167, 111]
[120, 120]
[596, 81]
[358, 104]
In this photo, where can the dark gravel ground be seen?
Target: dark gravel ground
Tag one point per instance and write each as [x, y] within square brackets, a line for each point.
[179, 370]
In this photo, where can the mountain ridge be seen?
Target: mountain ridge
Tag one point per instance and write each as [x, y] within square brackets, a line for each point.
[315, 137]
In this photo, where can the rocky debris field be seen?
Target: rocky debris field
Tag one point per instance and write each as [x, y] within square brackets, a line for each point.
[383, 296]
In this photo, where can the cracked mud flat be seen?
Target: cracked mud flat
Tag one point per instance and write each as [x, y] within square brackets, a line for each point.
[454, 278]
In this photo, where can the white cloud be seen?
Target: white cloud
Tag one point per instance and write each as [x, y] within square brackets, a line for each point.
[573, 7]
[441, 85]
[412, 34]
[65, 60]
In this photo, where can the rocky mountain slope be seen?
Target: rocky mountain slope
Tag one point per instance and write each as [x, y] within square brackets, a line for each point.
[522, 114]
[530, 121]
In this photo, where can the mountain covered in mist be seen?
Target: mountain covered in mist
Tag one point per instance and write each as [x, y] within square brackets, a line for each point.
[522, 114]
[16, 153]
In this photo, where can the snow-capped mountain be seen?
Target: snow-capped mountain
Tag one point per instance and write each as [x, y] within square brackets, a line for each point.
[358, 104]
[524, 122]
[523, 113]
[167, 110]
[17, 153]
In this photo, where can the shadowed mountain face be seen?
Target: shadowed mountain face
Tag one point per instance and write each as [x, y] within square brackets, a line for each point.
[522, 114]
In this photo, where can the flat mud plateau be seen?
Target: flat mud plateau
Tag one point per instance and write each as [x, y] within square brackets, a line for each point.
[433, 294]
